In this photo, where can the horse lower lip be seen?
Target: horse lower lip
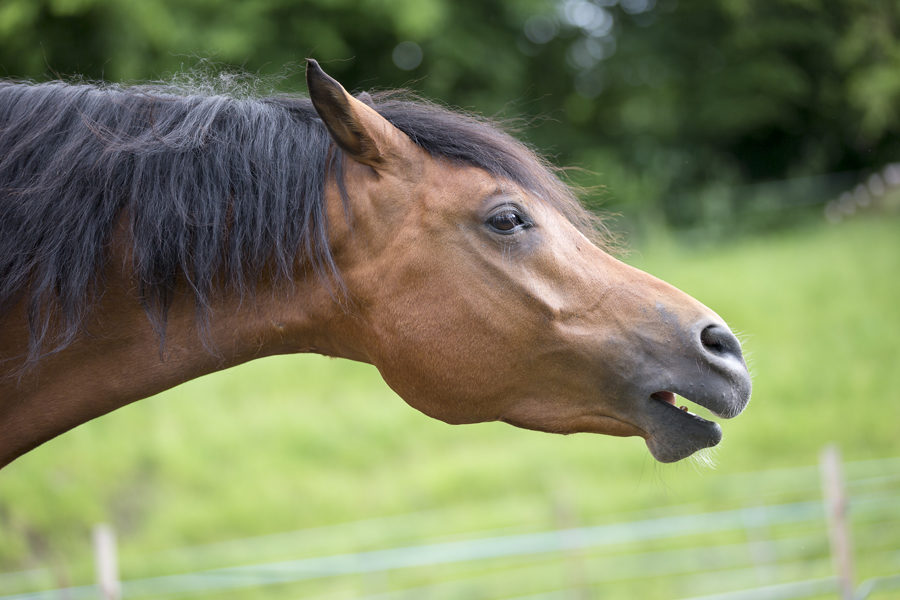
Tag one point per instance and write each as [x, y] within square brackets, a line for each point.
[673, 433]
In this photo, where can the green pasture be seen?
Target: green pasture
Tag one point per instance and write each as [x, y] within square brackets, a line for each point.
[308, 443]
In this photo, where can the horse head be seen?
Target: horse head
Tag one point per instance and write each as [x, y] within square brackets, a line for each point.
[480, 297]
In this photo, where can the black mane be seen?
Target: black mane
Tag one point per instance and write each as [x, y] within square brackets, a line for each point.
[209, 185]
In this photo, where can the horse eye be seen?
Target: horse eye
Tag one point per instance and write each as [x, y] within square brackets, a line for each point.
[506, 221]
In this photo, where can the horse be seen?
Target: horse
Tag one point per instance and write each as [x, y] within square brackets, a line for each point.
[149, 236]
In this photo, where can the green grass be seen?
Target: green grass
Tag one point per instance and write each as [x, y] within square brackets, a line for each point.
[304, 442]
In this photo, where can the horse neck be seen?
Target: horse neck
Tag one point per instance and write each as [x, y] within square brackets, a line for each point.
[118, 359]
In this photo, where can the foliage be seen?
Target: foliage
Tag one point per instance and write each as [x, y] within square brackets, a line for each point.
[674, 105]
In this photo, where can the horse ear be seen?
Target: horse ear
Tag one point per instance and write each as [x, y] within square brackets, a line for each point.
[358, 129]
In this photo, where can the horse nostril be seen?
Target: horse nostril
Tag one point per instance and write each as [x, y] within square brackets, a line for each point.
[720, 341]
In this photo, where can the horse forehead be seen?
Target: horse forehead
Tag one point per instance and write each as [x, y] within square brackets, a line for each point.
[447, 176]
[454, 187]
[451, 188]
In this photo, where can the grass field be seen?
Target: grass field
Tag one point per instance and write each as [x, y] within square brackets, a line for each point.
[299, 442]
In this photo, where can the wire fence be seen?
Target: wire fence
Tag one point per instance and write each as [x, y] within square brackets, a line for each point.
[765, 551]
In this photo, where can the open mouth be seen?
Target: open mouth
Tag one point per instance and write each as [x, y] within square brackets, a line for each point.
[669, 399]
[674, 431]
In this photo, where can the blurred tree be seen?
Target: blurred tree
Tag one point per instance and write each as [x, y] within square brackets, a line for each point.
[736, 91]
[675, 104]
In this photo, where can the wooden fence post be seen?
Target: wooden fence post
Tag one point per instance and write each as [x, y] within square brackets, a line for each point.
[106, 562]
[836, 513]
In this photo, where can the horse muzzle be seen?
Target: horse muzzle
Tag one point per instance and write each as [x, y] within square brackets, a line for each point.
[710, 372]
